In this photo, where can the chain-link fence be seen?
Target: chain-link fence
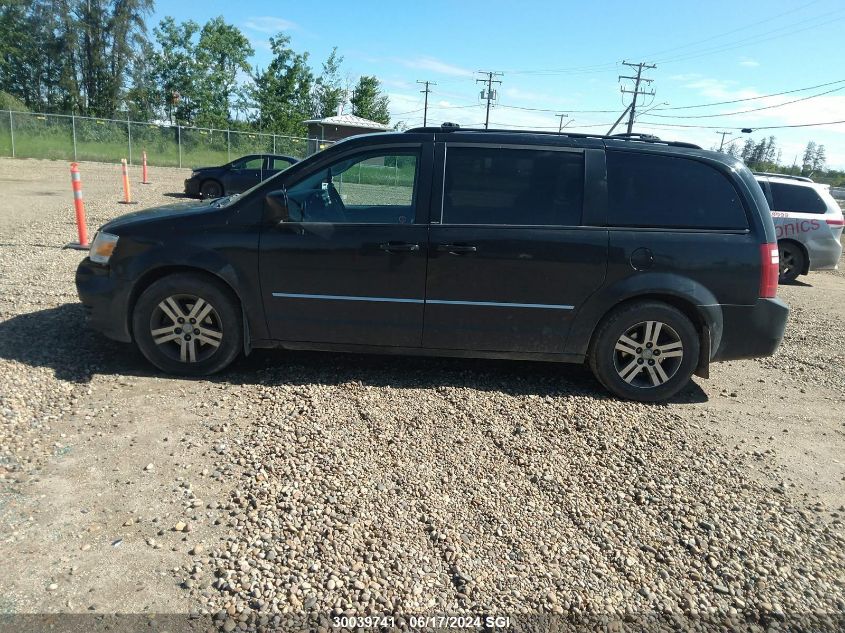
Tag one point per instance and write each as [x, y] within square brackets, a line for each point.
[59, 136]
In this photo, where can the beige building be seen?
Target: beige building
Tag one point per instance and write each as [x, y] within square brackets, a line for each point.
[335, 128]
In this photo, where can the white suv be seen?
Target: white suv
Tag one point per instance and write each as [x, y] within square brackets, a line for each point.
[808, 224]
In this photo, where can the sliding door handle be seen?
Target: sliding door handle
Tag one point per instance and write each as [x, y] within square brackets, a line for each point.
[399, 247]
[456, 249]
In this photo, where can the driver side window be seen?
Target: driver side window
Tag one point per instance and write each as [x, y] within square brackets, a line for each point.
[370, 188]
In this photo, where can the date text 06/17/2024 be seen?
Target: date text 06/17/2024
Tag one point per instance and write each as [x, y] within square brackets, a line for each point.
[424, 621]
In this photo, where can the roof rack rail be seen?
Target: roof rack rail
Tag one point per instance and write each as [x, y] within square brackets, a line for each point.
[790, 176]
[636, 137]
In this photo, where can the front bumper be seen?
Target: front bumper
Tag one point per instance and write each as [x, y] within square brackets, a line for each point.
[192, 186]
[751, 331]
[106, 300]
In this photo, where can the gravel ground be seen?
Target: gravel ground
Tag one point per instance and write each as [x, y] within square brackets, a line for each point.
[328, 484]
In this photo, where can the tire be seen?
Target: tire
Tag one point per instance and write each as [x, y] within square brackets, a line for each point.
[646, 374]
[217, 336]
[792, 262]
[211, 189]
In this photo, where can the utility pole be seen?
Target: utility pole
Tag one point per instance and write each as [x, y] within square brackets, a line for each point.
[426, 91]
[724, 134]
[489, 94]
[561, 125]
[636, 92]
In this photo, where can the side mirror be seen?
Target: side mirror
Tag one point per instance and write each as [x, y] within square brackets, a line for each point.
[276, 206]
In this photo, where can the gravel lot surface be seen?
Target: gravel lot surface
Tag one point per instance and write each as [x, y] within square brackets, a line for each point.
[305, 483]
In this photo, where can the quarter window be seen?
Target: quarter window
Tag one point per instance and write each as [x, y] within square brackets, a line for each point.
[649, 190]
[485, 185]
[374, 188]
[280, 163]
[796, 198]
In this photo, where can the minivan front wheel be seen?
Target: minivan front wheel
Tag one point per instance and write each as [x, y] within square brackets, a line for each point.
[188, 324]
[645, 351]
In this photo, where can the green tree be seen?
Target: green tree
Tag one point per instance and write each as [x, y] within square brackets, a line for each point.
[329, 91]
[111, 32]
[369, 102]
[283, 91]
[819, 159]
[70, 55]
[222, 54]
[807, 160]
[174, 70]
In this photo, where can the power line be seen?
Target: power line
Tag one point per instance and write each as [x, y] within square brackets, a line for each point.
[760, 38]
[636, 92]
[607, 66]
[764, 127]
[426, 91]
[777, 105]
[686, 107]
[489, 94]
[774, 94]
[512, 107]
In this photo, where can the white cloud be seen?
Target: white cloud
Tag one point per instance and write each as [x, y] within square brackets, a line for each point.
[435, 66]
[270, 25]
[748, 62]
[517, 94]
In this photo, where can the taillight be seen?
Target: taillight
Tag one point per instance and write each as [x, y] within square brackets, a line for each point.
[769, 270]
[835, 222]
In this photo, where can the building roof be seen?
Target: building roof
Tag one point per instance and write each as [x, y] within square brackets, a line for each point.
[349, 120]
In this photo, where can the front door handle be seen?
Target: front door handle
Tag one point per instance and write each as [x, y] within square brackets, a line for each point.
[399, 247]
[457, 249]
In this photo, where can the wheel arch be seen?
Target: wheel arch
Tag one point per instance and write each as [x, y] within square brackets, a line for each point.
[804, 250]
[153, 275]
[704, 324]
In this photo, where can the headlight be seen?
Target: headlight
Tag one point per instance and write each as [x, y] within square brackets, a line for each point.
[102, 247]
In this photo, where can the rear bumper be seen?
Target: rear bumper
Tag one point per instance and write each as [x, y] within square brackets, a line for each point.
[105, 299]
[192, 186]
[824, 253]
[751, 331]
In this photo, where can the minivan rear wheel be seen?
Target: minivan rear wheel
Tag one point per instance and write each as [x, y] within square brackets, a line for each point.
[791, 262]
[188, 324]
[645, 351]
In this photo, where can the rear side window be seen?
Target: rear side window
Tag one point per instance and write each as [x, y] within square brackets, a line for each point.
[796, 198]
[488, 185]
[649, 190]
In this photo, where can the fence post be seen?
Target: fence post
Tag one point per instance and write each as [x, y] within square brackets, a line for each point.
[12, 132]
[179, 143]
[129, 136]
[228, 145]
[274, 143]
[73, 131]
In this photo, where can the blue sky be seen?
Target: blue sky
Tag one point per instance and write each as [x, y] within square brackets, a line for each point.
[565, 57]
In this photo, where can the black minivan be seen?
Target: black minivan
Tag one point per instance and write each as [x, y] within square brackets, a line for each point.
[646, 259]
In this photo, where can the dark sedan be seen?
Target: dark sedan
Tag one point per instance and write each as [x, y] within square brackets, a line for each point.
[237, 176]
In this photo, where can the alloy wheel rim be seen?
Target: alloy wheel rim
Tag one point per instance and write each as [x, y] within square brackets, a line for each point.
[786, 260]
[648, 354]
[186, 328]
